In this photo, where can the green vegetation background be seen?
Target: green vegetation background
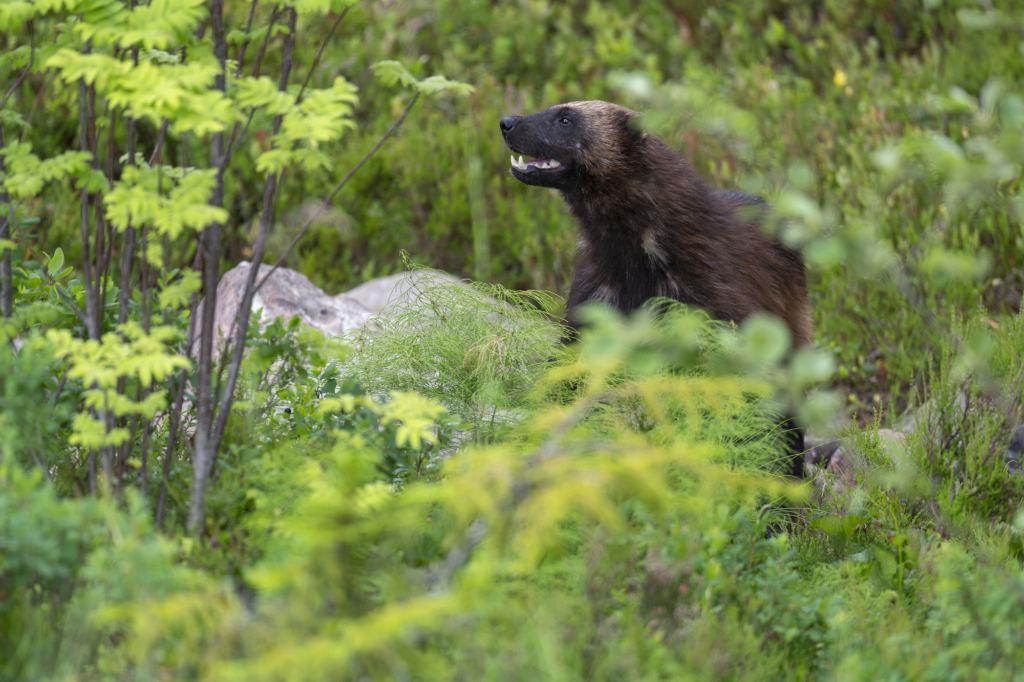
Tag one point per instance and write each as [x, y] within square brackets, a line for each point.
[388, 526]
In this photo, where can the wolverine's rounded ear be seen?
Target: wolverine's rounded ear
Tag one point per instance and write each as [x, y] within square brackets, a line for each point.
[628, 117]
[631, 120]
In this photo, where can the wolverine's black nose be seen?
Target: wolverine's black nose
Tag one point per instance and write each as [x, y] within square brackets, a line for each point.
[507, 124]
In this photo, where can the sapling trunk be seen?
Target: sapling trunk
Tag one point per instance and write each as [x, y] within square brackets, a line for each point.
[83, 135]
[174, 420]
[204, 445]
[128, 241]
[6, 278]
[7, 226]
[259, 248]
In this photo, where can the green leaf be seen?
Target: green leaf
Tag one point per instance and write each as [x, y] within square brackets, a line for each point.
[766, 338]
[840, 528]
[178, 293]
[391, 72]
[441, 84]
[56, 262]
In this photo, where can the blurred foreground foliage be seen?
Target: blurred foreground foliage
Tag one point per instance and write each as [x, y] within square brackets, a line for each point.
[447, 495]
[618, 529]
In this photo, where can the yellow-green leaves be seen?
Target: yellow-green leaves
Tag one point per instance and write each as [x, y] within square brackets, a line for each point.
[26, 173]
[262, 92]
[54, 266]
[391, 73]
[177, 293]
[103, 363]
[162, 23]
[319, 6]
[415, 415]
[169, 199]
[180, 93]
[322, 117]
[100, 365]
[14, 14]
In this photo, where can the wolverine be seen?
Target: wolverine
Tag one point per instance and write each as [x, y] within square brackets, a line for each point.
[649, 226]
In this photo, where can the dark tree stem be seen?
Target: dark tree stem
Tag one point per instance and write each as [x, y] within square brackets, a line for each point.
[91, 330]
[7, 228]
[259, 248]
[6, 271]
[179, 394]
[83, 134]
[204, 445]
[128, 242]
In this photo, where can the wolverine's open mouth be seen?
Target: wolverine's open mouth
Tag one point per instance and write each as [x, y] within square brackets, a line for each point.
[535, 165]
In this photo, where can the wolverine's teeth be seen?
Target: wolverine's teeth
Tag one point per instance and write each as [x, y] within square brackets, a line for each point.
[546, 164]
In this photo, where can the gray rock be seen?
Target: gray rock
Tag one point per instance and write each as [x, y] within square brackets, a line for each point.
[376, 294]
[286, 294]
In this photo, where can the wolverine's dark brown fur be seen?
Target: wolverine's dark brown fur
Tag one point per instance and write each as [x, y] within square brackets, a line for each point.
[649, 226]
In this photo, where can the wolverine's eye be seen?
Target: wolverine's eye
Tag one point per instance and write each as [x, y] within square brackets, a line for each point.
[565, 121]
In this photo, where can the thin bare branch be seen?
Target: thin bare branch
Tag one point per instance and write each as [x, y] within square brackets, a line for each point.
[258, 64]
[28, 69]
[338, 188]
[235, 138]
[319, 54]
[245, 43]
[158, 147]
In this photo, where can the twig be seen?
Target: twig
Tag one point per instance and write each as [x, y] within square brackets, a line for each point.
[159, 142]
[263, 48]
[319, 54]
[245, 43]
[60, 386]
[235, 138]
[337, 188]
[31, 61]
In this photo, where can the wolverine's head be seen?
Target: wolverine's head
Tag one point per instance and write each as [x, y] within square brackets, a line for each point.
[572, 144]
